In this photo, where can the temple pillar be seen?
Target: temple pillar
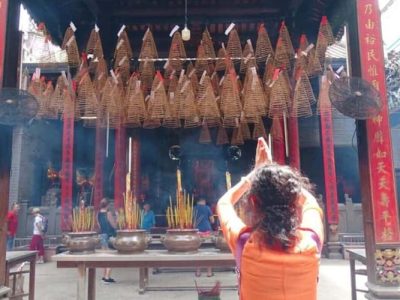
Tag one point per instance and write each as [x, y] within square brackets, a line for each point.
[379, 200]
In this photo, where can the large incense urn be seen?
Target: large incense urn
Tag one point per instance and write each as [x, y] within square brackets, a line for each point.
[131, 241]
[81, 242]
[182, 240]
[220, 242]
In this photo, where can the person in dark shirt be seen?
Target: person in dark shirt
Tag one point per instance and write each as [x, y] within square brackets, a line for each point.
[204, 219]
[107, 225]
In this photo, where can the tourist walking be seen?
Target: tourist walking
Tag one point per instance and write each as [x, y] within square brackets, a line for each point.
[106, 223]
[38, 233]
[278, 253]
[12, 226]
[203, 220]
[148, 218]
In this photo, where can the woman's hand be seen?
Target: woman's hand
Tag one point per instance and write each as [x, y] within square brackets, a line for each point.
[263, 153]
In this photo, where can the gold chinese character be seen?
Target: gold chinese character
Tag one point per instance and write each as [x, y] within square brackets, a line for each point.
[375, 84]
[371, 55]
[387, 234]
[381, 168]
[377, 120]
[383, 183]
[378, 137]
[386, 216]
[372, 70]
[384, 199]
[380, 154]
[370, 24]
[368, 9]
[370, 39]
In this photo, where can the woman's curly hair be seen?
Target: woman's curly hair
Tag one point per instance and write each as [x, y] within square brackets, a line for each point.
[275, 189]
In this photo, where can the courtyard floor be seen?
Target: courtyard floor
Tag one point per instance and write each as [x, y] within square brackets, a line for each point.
[60, 284]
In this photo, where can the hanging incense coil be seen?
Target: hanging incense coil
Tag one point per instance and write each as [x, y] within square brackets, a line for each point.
[249, 59]
[36, 88]
[254, 104]
[202, 64]
[209, 49]
[100, 75]
[158, 98]
[215, 83]
[122, 56]
[259, 130]
[205, 136]
[194, 80]
[112, 103]
[147, 72]
[237, 137]
[187, 109]
[302, 56]
[48, 96]
[149, 49]
[301, 106]
[279, 97]
[284, 52]
[325, 30]
[86, 100]
[234, 47]
[222, 136]
[222, 54]
[94, 45]
[171, 119]
[71, 47]
[176, 52]
[231, 107]
[57, 101]
[136, 111]
[320, 49]
[207, 105]
[264, 48]
[314, 67]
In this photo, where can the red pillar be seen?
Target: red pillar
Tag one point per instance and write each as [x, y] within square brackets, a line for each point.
[120, 166]
[135, 172]
[99, 165]
[294, 145]
[278, 141]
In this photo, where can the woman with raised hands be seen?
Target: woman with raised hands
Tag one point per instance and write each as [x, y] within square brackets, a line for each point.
[278, 254]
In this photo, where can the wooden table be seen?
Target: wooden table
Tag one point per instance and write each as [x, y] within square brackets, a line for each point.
[86, 265]
[356, 255]
[15, 258]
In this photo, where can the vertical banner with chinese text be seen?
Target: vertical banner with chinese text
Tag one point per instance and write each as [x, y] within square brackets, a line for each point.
[383, 191]
[120, 166]
[294, 146]
[67, 167]
[99, 156]
[328, 154]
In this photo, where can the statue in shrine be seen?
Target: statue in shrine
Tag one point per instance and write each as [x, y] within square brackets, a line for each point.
[85, 180]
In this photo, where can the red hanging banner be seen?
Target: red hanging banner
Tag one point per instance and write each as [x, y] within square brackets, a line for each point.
[328, 154]
[67, 167]
[99, 165]
[278, 141]
[294, 147]
[135, 179]
[120, 166]
[383, 191]
[3, 29]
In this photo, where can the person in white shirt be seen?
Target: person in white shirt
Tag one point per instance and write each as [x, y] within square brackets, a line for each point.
[37, 238]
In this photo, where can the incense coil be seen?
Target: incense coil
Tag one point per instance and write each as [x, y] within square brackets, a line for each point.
[301, 106]
[209, 49]
[249, 59]
[171, 119]
[147, 72]
[314, 67]
[230, 101]
[301, 62]
[36, 89]
[279, 98]
[157, 102]
[57, 103]
[244, 127]
[222, 136]
[208, 107]
[48, 93]
[71, 47]
[254, 98]
[94, 47]
[136, 111]
[122, 56]
[325, 29]
[282, 55]
[259, 130]
[215, 83]
[187, 107]
[286, 40]
[201, 64]
[149, 49]
[112, 103]
[220, 64]
[237, 137]
[320, 49]
[86, 100]
[264, 48]
[205, 136]
[176, 52]
[234, 47]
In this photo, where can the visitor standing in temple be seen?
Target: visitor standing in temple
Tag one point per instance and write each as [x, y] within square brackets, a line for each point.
[107, 224]
[148, 219]
[38, 234]
[203, 220]
[277, 255]
[12, 226]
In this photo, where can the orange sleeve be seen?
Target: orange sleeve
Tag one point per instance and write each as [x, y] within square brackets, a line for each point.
[312, 215]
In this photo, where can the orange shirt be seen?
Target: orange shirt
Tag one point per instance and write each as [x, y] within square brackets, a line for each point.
[269, 274]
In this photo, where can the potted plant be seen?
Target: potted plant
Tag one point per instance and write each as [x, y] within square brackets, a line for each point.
[83, 238]
[181, 235]
[130, 238]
